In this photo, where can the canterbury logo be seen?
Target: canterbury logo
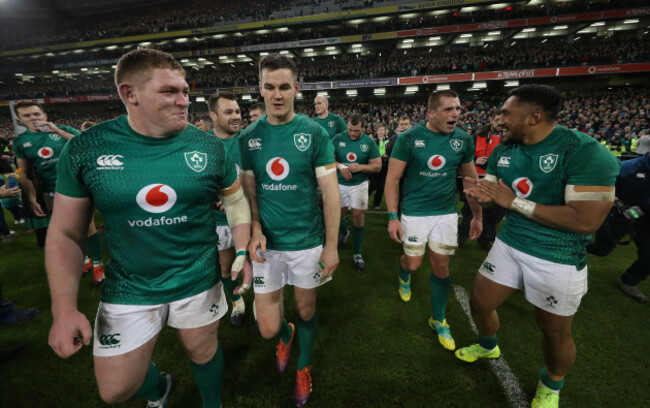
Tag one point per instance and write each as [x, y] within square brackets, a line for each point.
[109, 339]
[110, 160]
[254, 144]
[258, 281]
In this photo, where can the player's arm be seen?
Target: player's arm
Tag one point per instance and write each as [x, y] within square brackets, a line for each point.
[64, 255]
[585, 209]
[258, 240]
[328, 183]
[238, 213]
[468, 172]
[28, 185]
[391, 193]
[373, 166]
[55, 129]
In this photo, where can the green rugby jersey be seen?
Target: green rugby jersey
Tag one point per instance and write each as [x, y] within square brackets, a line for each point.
[333, 124]
[540, 173]
[156, 196]
[430, 174]
[232, 147]
[42, 150]
[348, 151]
[283, 159]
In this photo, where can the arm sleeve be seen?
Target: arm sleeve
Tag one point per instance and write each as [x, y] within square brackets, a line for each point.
[70, 130]
[400, 149]
[323, 150]
[229, 171]
[18, 148]
[592, 165]
[68, 180]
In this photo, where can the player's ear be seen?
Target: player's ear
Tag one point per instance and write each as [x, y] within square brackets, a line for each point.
[536, 117]
[127, 93]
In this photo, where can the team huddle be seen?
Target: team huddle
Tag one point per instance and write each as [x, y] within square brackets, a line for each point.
[161, 180]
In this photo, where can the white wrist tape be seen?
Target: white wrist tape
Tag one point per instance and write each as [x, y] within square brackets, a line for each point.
[237, 209]
[491, 177]
[525, 207]
[341, 166]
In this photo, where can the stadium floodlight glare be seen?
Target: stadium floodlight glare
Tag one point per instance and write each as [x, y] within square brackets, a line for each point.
[113, 66]
[111, 47]
[284, 52]
[529, 30]
[511, 83]
[479, 85]
[631, 21]
[200, 99]
[183, 61]
[222, 57]
[145, 44]
[598, 24]
[19, 74]
[84, 69]
[408, 41]
[494, 33]
[201, 59]
[468, 9]
[411, 89]
[180, 40]
[466, 36]
[379, 91]
[561, 27]
[55, 72]
[356, 45]
[498, 6]
[432, 39]
[299, 96]
[520, 35]
[246, 97]
[79, 51]
[308, 50]
[472, 90]
[241, 56]
[49, 54]
[586, 31]
[263, 54]
[351, 92]
[330, 48]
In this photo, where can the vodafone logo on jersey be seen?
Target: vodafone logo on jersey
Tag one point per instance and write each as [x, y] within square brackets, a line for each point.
[277, 168]
[523, 187]
[351, 157]
[436, 162]
[156, 198]
[45, 152]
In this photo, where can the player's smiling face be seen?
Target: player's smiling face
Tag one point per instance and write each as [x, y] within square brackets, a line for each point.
[162, 102]
[228, 116]
[444, 118]
[512, 121]
[279, 89]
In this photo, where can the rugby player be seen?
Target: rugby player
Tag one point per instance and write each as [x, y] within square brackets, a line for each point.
[256, 111]
[226, 117]
[428, 156]
[157, 202]
[37, 152]
[357, 155]
[557, 186]
[331, 122]
[285, 157]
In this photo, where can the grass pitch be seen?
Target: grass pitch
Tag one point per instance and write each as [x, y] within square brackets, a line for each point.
[372, 350]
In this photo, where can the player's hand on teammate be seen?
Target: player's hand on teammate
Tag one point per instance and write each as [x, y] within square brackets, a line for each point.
[69, 333]
[258, 241]
[346, 173]
[329, 260]
[9, 192]
[219, 205]
[395, 230]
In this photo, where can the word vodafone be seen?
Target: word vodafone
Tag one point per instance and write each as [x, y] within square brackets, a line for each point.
[156, 222]
[280, 187]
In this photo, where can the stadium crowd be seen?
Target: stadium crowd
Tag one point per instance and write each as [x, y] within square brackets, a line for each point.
[203, 13]
[523, 54]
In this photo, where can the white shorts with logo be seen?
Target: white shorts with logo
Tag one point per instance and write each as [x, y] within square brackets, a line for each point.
[297, 268]
[553, 287]
[123, 328]
[225, 237]
[439, 231]
[354, 196]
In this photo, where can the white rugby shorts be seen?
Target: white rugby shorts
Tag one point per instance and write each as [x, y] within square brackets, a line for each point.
[355, 197]
[553, 287]
[439, 231]
[281, 268]
[123, 328]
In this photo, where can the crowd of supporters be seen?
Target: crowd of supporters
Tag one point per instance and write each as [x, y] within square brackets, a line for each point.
[615, 117]
[532, 53]
[17, 33]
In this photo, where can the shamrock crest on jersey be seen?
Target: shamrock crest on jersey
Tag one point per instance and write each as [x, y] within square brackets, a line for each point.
[456, 145]
[547, 162]
[302, 141]
[196, 160]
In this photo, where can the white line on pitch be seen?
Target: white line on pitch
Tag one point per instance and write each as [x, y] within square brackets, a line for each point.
[509, 382]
